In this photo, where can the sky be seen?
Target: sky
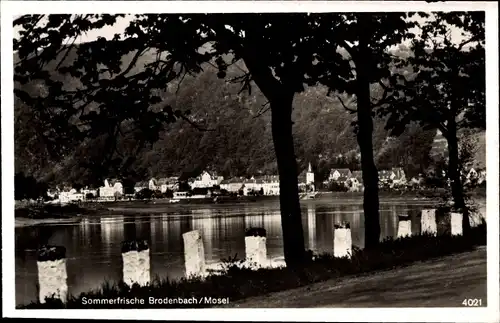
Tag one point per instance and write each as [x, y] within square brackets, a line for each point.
[119, 27]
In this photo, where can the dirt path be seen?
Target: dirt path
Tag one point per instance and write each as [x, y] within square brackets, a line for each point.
[444, 282]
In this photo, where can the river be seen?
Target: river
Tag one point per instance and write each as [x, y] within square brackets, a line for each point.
[93, 245]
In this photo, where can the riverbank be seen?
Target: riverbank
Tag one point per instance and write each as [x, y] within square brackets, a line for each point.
[236, 284]
[35, 214]
[53, 213]
[479, 192]
[27, 222]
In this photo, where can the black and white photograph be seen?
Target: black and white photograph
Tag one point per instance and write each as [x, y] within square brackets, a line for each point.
[341, 156]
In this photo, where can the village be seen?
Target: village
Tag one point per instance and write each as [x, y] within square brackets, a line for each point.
[210, 184]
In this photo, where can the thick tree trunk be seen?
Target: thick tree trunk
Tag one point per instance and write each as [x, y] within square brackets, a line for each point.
[281, 111]
[370, 173]
[457, 190]
[291, 223]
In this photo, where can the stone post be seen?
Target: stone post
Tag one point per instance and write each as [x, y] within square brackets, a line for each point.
[404, 226]
[136, 263]
[456, 223]
[342, 240]
[194, 254]
[428, 221]
[52, 274]
[255, 247]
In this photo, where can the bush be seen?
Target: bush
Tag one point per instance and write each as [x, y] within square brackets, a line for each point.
[143, 194]
[237, 283]
[337, 187]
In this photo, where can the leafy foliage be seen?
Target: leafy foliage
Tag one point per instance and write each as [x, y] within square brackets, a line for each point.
[27, 187]
[448, 80]
[447, 91]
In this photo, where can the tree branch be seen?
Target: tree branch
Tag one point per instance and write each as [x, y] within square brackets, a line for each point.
[384, 95]
[134, 60]
[263, 110]
[468, 41]
[66, 54]
[192, 123]
[443, 129]
[179, 84]
[345, 107]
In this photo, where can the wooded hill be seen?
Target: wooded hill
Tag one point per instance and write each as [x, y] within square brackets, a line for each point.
[237, 142]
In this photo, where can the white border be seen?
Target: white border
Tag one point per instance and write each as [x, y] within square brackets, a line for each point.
[10, 9]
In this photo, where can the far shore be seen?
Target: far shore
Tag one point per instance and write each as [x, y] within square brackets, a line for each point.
[70, 214]
[27, 222]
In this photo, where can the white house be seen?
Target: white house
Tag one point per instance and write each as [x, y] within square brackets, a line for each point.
[481, 176]
[70, 196]
[110, 188]
[207, 180]
[168, 183]
[339, 174]
[253, 184]
[355, 182]
[398, 175]
[153, 184]
[224, 185]
[271, 185]
[233, 185]
[385, 176]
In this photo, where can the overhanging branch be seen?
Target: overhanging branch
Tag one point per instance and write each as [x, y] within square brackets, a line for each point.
[265, 107]
[345, 107]
[384, 98]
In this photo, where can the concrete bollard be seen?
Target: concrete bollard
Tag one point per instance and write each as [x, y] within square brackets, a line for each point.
[342, 240]
[136, 263]
[194, 254]
[456, 223]
[404, 226]
[428, 221]
[255, 247]
[52, 274]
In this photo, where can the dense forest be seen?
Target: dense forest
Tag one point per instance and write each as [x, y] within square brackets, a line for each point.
[228, 131]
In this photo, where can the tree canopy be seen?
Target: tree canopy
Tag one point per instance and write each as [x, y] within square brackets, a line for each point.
[447, 91]
[115, 109]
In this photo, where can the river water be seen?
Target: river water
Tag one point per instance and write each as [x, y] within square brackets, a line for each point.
[93, 245]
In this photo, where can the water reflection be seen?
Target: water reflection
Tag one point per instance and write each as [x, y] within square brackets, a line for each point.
[93, 245]
[311, 227]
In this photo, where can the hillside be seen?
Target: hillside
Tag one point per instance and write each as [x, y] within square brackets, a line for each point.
[239, 143]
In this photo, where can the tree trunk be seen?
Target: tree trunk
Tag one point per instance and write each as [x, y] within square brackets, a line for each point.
[457, 190]
[291, 221]
[369, 170]
[281, 99]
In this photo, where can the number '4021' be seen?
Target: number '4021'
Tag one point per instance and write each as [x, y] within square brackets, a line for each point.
[472, 302]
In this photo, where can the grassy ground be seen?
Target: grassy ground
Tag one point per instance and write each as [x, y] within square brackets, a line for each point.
[443, 282]
[237, 284]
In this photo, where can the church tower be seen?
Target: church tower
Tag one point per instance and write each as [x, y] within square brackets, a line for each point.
[309, 175]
